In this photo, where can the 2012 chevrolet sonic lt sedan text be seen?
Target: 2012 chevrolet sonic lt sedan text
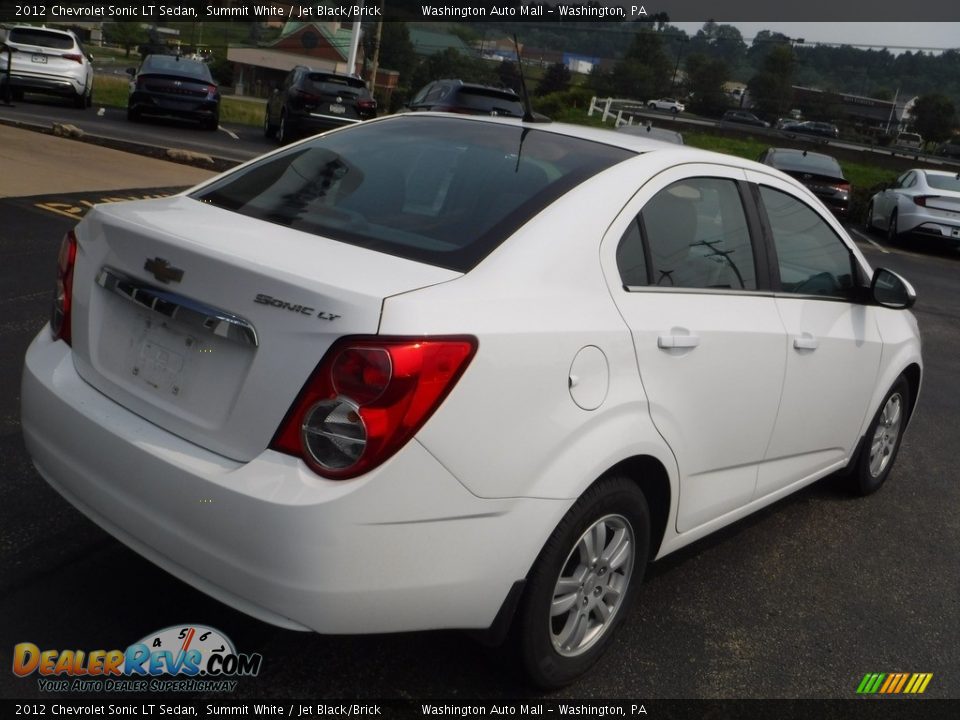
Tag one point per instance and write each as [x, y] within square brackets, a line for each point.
[436, 371]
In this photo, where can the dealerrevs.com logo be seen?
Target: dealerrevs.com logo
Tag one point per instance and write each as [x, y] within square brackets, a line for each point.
[181, 658]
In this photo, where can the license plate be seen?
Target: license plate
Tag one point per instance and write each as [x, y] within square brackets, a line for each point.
[338, 109]
[42, 59]
[158, 357]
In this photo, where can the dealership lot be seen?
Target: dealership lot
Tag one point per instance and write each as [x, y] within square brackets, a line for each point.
[800, 600]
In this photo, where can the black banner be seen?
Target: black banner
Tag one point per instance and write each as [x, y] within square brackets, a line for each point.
[558, 11]
[174, 707]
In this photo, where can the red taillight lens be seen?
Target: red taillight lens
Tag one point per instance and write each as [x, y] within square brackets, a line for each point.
[841, 187]
[367, 104]
[921, 200]
[367, 398]
[74, 57]
[63, 295]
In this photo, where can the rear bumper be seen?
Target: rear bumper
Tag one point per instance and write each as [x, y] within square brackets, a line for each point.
[930, 225]
[405, 547]
[45, 84]
[149, 104]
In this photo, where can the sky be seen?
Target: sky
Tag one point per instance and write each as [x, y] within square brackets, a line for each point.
[905, 35]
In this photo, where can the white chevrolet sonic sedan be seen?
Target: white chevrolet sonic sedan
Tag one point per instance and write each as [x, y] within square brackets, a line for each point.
[438, 371]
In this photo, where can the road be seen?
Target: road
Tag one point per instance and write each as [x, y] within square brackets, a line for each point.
[799, 600]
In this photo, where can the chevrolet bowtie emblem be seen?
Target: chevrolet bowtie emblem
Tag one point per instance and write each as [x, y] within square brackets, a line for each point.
[163, 271]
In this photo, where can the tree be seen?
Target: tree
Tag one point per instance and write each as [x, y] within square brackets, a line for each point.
[125, 34]
[509, 75]
[705, 79]
[452, 64]
[934, 116]
[555, 79]
[644, 73]
[772, 88]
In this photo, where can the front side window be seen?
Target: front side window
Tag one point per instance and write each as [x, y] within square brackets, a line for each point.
[811, 258]
[697, 234]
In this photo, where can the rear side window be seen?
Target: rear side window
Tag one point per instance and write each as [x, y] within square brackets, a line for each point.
[811, 258]
[42, 38]
[697, 235]
[437, 190]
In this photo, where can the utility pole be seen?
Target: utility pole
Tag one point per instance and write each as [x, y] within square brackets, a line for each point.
[354, 43]
[375, 61]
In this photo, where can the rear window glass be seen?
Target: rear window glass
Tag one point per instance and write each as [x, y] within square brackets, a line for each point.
[322, 83]
[436, 190]
[30, 36]
[489, 101]
[170, 64]
[944, 182]
[811, 163]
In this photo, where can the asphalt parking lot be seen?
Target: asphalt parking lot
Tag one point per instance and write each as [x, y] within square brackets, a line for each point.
[799, 600]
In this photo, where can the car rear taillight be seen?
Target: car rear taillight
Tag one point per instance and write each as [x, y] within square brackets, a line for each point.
[367, 398]
[921, 200]
[73, 56]
[211, 90]
[301, 96]
[63, 295]
[367, 104]
[841, 187]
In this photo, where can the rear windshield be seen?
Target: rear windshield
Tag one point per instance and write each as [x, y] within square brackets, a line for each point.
[811, 163]
[944, 182]
[173, 65]
[43, 38]
[489, 101]
[437, 190]
[909, 137]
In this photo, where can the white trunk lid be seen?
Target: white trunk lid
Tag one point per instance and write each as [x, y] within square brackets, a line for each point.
[218, 356]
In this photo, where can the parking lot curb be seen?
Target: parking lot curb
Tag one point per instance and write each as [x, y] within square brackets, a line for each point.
[180, 156]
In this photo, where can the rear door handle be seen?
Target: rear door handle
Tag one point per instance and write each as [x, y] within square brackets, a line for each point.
[806, 341]
[678, 341]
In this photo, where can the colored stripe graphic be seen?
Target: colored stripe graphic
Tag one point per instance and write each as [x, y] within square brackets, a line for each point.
[894, 683]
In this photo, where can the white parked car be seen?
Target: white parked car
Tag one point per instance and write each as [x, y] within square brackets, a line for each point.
[434, 371]
[920, 202]
[47, 61]
[674, 106]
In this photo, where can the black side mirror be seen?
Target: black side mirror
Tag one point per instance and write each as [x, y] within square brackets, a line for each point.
[892, 291]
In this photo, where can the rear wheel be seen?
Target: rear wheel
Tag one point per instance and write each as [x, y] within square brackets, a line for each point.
[893, 233]
[868, 219]
[583, 582]
[282, 130]
[133, 115]
[882, 441]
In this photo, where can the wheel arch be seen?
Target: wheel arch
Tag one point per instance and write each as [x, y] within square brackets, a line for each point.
[648, 474]
[913, 374]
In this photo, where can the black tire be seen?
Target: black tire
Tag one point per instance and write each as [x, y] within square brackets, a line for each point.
[283, 132]
[538, 633]
[882, 441]
[212, 124]
[867, 222]
[893, 234]
[269, 130]
[133, 115]
[80, 101]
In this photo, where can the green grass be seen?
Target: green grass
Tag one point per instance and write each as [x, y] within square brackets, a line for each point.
[112, 91]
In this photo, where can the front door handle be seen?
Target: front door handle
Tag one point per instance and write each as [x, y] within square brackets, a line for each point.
[806, 341]
[678, 341]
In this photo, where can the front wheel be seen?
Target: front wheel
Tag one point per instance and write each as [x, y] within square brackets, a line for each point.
[583, 582]
[882, 440]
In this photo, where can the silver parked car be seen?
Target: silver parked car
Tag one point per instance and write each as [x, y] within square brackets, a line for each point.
[47, 61]
[922, 202]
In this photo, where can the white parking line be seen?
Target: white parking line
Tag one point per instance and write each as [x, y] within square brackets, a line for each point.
[877, 245]
[228, 132]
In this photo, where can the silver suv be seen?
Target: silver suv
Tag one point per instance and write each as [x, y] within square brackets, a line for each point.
[48, 61]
